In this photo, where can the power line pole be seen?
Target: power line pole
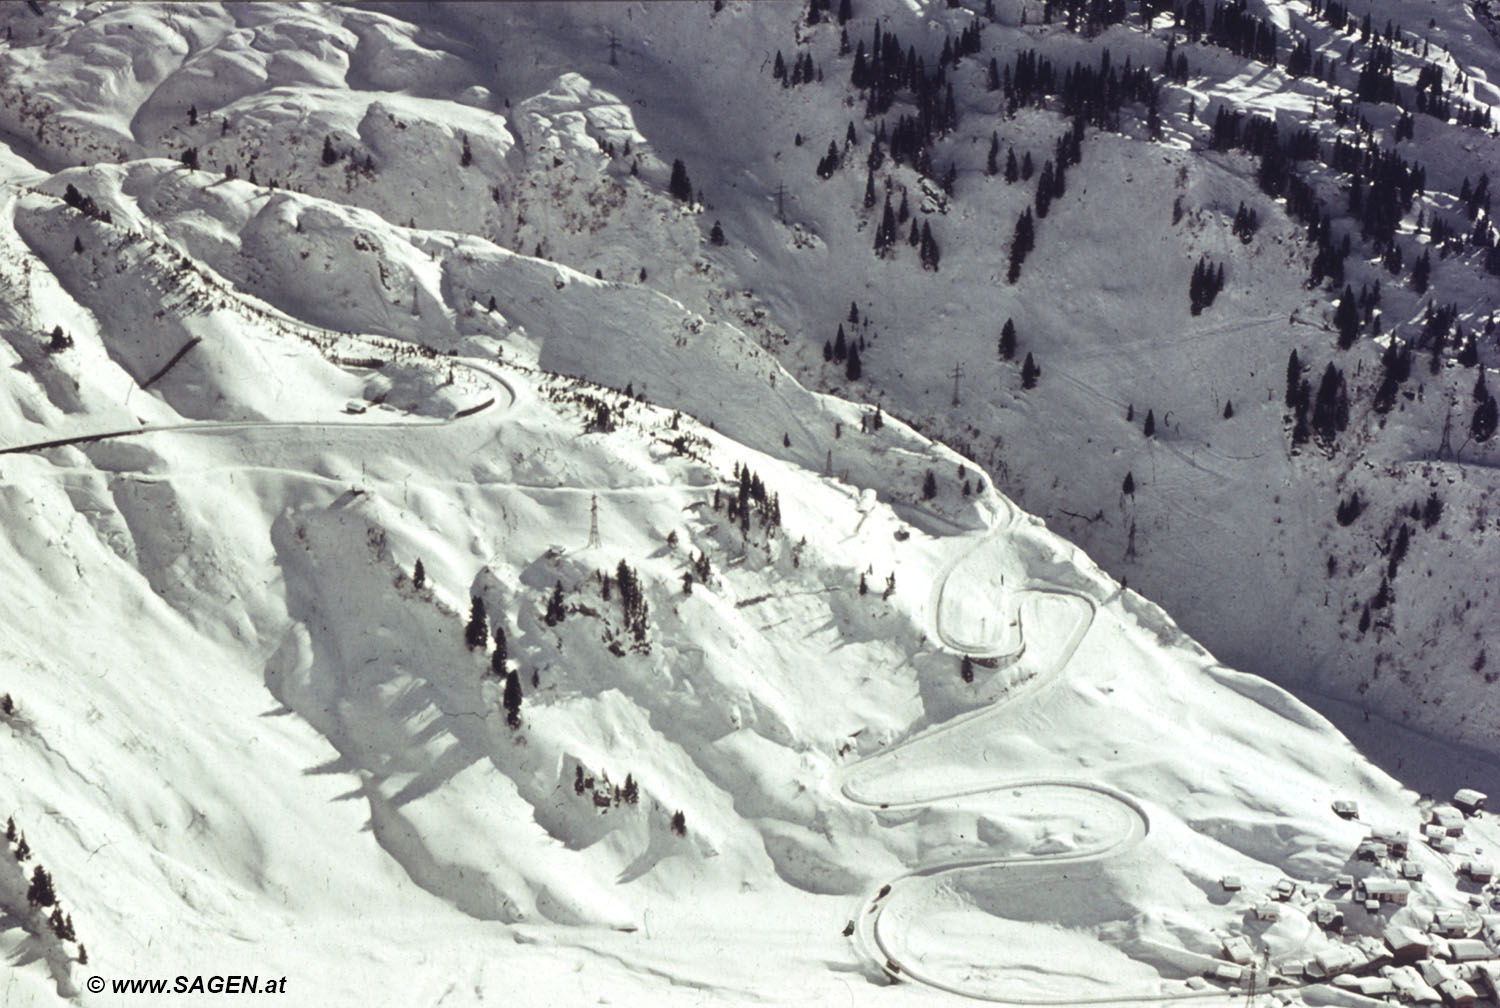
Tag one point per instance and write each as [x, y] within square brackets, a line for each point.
[958, 372]
[780, 192]
[594, 541]
[1446, 448]
[614, 43]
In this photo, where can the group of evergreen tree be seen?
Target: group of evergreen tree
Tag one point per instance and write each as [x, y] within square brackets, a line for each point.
[1246, 223]
[817, 10]
[40, 892]
[847, 352]
[633, 606]
[1204, 287]
[556, 610]
[1395, 364]
[1096, 95]
[885, 70]
[1088, 17]
[1325, 414]
[605, 793]
[752, 498]
[85, 204]
[803, 70]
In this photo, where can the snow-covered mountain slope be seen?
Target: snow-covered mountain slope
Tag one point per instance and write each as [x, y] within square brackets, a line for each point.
[549, 130]
[773, 698]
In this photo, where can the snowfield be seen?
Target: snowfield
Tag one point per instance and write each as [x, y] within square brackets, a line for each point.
[439, 573]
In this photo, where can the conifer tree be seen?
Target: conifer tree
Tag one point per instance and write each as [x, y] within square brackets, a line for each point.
[966, 669]
[1128, 487]
[10, 830]
[1030, 372]
[1293, 378]
[419, 575]
[40, 893]
[929, 486]
[885, 234]
[330, 155]
[1228, 409]
[1012, 172]
[1021, 244]
[1482, 426]
[992, 164]
[679, 823]
[1008, 340]
[679, 185]
[23, 849]
[716, 233]
[512, 699]
[852, 368]
[476, 632]
[1346, 319]
[556, 611]
[869, 189]
[1420, 271]
[840, 346]
[931, 255]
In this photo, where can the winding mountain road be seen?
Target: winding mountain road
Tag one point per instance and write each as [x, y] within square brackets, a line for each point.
[1111, 822]
[505, 399]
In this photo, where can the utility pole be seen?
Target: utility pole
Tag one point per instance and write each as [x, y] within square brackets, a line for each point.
[1446, 448]
[780, 193]
[958, 372]
[614, 43]
[594, 541]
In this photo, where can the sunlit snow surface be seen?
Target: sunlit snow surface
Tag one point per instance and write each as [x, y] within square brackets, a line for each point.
[246, 742]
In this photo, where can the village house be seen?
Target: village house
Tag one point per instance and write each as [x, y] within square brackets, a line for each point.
[1407, 944]
[1479, 871]
[1449, 818]
[1383, 890]
[1457, 993]
[1468, 801]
